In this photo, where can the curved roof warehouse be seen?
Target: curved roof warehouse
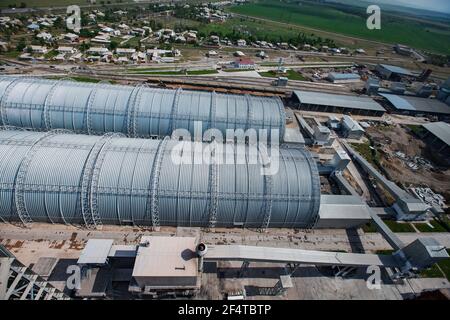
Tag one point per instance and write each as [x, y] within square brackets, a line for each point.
[67, 178]
[141, 111]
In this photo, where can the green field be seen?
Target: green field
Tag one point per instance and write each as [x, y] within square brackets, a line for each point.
[80, 79]
[174, 73]
[369, 227]
[393, 225]
[394, 29]
[423, 227]
[434, 271]
[44, 3]
[438, 272]
[290, 74]
[399, 227]
[237, 28]
[368, 153]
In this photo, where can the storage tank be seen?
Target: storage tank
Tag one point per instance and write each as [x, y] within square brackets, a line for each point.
[60, 177]
[140, 111]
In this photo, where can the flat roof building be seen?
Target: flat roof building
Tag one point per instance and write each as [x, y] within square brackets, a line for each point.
[342, 211]
[165, 263]
[336, 103]
[96, 252]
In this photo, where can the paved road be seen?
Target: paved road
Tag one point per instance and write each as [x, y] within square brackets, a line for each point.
[326, 239]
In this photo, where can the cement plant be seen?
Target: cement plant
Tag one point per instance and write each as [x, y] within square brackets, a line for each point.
[175, 150]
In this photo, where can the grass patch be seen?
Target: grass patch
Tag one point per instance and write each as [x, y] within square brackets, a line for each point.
[424, 227]
[386, 252]
[175, 73]
[432, 272]
[82, 79]
[368, 153]
[290, 74]
[85, 79]
[399, 227]
[200, 72]
[41, 3]
[236, 70]
[50, 54]
[445, 266]
[369, 227]
[393, 225]
[11, 54]
[418, 130]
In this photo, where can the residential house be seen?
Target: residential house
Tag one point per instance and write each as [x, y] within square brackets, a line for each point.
[97, 51]
[45, 36]
[39, 49]
[125, 51]
[241, 43]
[243, 63]
[72, 37]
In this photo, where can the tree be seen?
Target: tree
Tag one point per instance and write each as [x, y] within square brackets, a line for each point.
[21, 45]
[113, 45]
[84, 46]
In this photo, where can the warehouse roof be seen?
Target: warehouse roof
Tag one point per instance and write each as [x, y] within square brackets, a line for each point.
[395, 69]
[343, 76]
[337, 100]
[136, 111]
[440, 130]
[416, 104]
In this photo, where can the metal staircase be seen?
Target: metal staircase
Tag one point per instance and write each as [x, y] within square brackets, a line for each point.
[17, 282]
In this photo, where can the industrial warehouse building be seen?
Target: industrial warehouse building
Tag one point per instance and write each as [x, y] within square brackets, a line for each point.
[140, 111]
[343, 77]
[66, 178]
[416, 106]
[389, 72]
[438, 138]
[336, 103]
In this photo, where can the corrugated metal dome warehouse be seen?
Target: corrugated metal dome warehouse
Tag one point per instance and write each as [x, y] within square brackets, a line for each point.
[67, 178]
[140, 111]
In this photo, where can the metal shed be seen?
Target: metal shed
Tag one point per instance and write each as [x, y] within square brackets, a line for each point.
[66, 178]
[416, 105]
[140, 111]
[336, 103]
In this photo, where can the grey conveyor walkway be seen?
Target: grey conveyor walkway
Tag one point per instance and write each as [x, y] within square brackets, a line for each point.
[283, 255]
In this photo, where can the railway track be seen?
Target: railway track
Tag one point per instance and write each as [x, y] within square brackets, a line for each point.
[227, 84]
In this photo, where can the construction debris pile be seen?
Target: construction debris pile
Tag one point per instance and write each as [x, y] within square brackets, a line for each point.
[429, 197]
[414, 163]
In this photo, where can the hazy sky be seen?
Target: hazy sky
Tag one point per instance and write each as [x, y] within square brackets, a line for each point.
[434, 5]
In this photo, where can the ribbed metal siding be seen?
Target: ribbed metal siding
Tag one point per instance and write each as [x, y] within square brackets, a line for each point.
[120, 192]
[141, 111]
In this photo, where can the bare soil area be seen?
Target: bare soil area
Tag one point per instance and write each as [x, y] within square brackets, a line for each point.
[397, 138]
